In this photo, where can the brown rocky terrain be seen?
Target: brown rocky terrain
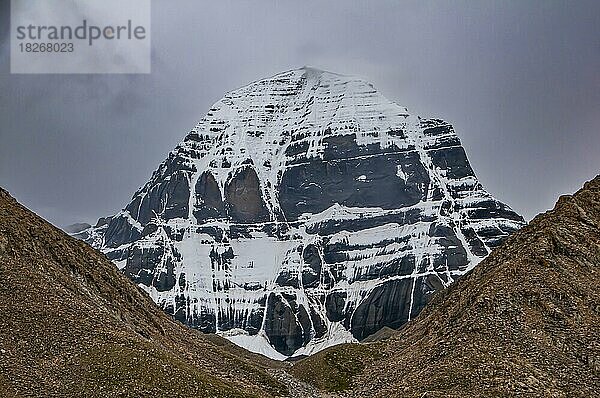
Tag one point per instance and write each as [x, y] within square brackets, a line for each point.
[524, 322]
[73, 326]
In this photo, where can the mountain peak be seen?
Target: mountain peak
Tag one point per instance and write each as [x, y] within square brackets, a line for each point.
[309, 77]
[295, 205]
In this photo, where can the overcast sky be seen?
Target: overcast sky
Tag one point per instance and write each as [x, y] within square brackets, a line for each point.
[519, 80]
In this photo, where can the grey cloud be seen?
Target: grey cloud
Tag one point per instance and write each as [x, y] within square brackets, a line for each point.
[519, 80]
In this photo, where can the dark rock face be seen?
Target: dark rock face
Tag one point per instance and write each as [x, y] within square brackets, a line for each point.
[392, 303]
[141, 259]
[305, 210]
[334, 306]
[388, 304]
[320, 183]
[208, 196]
[168, 199]
[244, 198]
[120, 231]
[285, 324]
[311, 273]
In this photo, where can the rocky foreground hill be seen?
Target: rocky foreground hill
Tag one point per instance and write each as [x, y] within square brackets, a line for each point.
[72, 325]
[525, 322]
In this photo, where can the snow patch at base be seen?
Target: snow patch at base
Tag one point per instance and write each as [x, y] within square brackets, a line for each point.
[336, 334]
[258, 343]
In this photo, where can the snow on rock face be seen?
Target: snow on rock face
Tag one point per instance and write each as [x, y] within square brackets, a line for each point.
[302, 211]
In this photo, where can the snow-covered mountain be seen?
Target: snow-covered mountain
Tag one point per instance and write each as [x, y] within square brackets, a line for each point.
[305, 210]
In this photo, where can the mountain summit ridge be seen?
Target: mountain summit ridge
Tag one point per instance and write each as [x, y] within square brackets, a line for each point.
[304, 210]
